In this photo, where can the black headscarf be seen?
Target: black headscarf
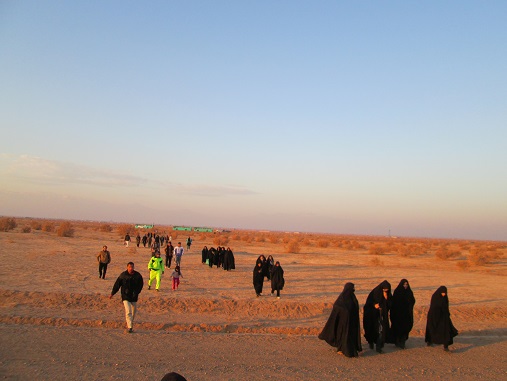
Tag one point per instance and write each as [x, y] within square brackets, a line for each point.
[277, 280]
[342, 329]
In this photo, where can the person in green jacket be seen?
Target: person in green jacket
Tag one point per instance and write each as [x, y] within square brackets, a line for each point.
[156, 268]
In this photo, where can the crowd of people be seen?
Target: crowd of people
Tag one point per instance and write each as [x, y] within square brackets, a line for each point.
[268, 268]
[220, 257]
[387, 318]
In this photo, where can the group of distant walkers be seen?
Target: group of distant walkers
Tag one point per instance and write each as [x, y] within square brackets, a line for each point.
[219, 257]
[268, 268]
[387, 318]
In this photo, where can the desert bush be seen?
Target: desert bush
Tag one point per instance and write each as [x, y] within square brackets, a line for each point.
[444, 253]
[26, 229]
[7, 224]
[274, 239]
[286, 239]
[356, 245]
[376, 250]
[463, 265]
[376, 262]
[36, 225]
[260, 238]
[221, 240]
[125, 228]
[482, 257]
[293, 247]
[106, 228]
[48, 227]
[323, 243]
[65, 230]
[236, 237]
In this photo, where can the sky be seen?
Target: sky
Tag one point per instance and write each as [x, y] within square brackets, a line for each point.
[346, 117]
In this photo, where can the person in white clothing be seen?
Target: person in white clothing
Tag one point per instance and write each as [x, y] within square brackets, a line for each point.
[178, 253]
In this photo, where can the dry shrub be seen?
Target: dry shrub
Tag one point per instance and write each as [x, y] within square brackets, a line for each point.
[356, 245]
[463, 265]
[286, 239]
[260, 238]
[7, 224]
[274, 239]
[221, 240]
[293, 247]
[36, 225]
[26, 229]
[106, 228]
[482, 257]
[376, 262]
[236, 237]
[65, 230]
[376, 250]
[410, 250]
[323, 243]
[444, 253]
[306, 242]
[125, 228]
[48, 227]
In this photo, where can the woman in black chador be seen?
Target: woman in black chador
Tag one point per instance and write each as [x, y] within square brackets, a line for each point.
[342, 329]
[229, 263]
[402, 313]
[439, 327]
[258, 278]
[277, 280]
[376, 316]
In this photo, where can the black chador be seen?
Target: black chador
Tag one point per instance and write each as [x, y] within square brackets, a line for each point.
[229, 263]
[376, 316]
[402, 313]
[258, 278]
[342, 329]
[439, 327]
[277, 279]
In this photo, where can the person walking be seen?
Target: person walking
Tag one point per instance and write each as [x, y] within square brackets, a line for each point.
[439, 327]
[104, 258]
[175, 276]
[138, 240]
[156, 269]
[258, 278]
[168, 254]
[178, 253]
[277, 280]
[376, 316]
[127, 239]
[131, 284]
[402, 313]
[189, 243]
[342, 329]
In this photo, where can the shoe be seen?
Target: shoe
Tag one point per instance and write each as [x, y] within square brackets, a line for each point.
[258, 295]
[130, 330]
[278, 297]
[157, 290]
[149, 287]
[379, 350]
[429, 344]
[446, 348]
[370, 345]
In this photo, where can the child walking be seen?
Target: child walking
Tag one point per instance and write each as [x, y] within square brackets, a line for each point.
[175, 276]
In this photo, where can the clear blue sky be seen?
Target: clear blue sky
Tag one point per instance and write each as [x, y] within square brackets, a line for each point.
[323, 116]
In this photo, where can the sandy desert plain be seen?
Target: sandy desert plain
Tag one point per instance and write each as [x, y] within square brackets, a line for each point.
[57, 322]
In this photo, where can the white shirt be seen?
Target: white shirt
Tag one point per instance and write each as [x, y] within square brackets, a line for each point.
[178, 250]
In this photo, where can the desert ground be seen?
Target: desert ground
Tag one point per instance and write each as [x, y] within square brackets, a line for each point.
[58, 323]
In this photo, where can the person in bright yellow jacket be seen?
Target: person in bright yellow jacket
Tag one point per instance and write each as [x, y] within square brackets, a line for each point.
[156, 268]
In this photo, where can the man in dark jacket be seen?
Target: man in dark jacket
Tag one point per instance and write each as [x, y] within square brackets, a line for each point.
[131, 284]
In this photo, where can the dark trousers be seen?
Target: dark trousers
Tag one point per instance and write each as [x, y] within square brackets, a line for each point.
[168, 260]
[102, 270]
[277, 291]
